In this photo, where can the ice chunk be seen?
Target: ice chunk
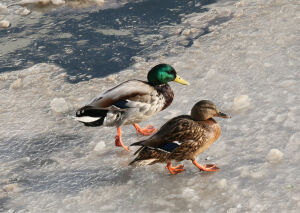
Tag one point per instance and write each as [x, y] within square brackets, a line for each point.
[37, 2]
[3, 9]
[23, 11]
[3, 77]
[222, 184]
[274, 156]
[186, 32]
[13, 187]
[58, 2]
[99, 2]
[241, 102]
[16, 84]
[211, 74]
[232, 210]
[100, 146]
[59, 105]
[257, 175]
[4, 24]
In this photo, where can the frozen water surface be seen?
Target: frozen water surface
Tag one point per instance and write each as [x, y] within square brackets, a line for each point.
[249, 66]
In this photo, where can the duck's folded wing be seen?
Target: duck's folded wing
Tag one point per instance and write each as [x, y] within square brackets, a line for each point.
[169, 146]
[132, 89]
[171, 133]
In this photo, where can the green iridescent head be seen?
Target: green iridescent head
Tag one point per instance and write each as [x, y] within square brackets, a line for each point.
[164, 73]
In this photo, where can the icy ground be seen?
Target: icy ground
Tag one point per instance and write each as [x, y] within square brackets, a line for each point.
[249, 66]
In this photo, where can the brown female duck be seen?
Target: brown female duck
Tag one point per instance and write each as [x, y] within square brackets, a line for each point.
[182, 138]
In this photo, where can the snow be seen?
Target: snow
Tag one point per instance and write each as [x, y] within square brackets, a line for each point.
[100, 146]
[3, 9]
[222, 184]
[59, 105]
[23, 11]
[274, 156]
[241, 102]
[248, 66]
[42, 2]
[16, 84]
[4, 24]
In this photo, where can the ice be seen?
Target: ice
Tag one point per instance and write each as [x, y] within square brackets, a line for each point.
[59, 105]
[274, 156]
[241, 102]
[11, 188]
[58, 2]
[100, 146]
[248, 66]
[42, 2]
[3, 9]
[4, 24]
[222, 184]
[16, 84]
[23, 11]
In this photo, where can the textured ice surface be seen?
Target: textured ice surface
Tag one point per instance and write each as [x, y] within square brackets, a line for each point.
[248, 66]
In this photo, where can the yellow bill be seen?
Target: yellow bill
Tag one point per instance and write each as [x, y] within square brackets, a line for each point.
[180, 80]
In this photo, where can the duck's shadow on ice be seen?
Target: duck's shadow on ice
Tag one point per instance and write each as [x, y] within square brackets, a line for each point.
[52, 163]
[60, 163]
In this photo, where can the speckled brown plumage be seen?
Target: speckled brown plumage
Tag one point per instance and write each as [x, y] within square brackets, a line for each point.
[193, 136]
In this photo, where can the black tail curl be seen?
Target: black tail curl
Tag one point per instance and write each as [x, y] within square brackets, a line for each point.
[91, 111]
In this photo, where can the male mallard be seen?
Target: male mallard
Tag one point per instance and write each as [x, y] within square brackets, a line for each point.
[132, 102]
[182, 138]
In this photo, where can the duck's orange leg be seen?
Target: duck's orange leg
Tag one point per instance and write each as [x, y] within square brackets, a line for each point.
[118, 140]
[148, 130]
[174, 170]
[206, 167]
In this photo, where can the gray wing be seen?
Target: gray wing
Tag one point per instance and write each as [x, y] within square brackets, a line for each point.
[132, 89]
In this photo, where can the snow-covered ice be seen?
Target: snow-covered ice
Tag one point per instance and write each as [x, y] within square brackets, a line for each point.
[4, 24]
[248, 66]
[59, 105]
[274, 156]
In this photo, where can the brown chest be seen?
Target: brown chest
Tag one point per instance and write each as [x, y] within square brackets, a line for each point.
[211, 132]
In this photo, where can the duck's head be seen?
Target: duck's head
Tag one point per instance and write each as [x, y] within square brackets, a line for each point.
[164, 73]
[204, 110]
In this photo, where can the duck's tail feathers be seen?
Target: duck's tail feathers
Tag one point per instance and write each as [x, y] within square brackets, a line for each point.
[91, 116]
[139, 143]
[145, 162]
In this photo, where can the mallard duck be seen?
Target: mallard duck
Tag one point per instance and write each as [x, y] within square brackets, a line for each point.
[131, 102]
[182, 138]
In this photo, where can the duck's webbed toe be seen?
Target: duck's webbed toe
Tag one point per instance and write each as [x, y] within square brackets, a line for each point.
[148, 130]
[175, 170]
[206, 167]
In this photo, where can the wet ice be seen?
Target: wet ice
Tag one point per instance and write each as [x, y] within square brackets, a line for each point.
[248, 66]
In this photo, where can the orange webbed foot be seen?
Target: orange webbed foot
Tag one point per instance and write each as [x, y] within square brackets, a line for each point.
[180, 166]
[206, 167]
[118, 141]
[148, 130]
[210, 168]
[175, 170]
